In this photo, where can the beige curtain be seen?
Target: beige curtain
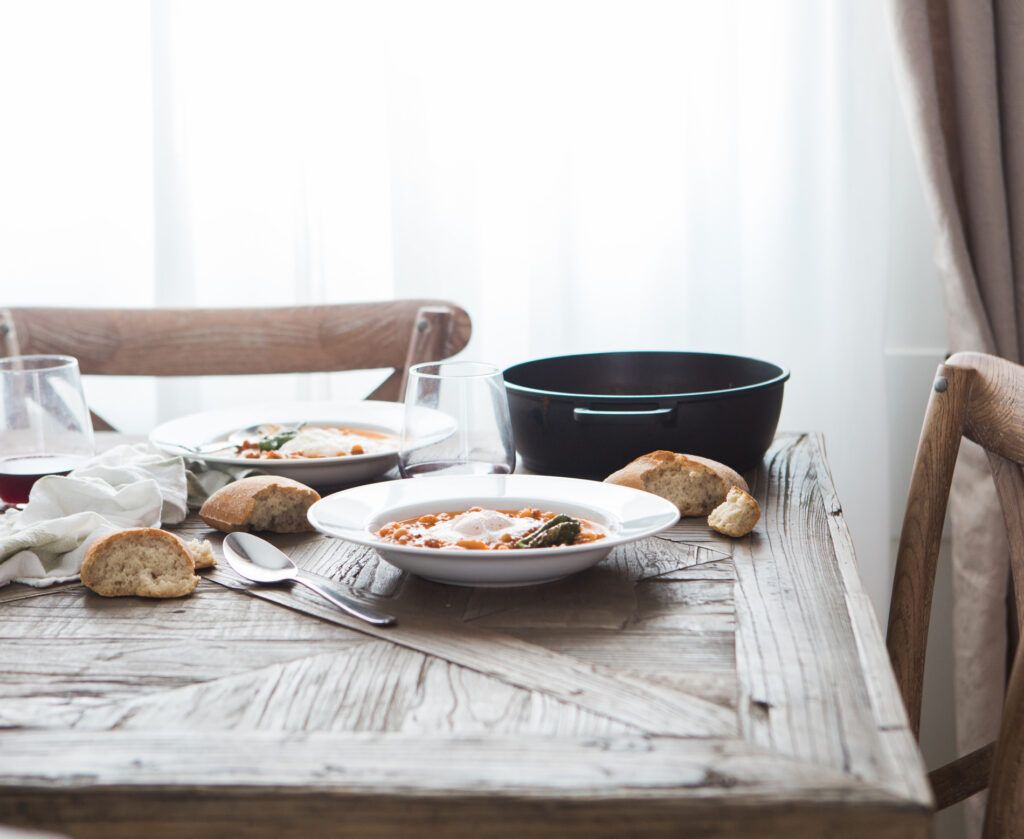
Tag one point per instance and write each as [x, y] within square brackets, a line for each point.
[960, 66]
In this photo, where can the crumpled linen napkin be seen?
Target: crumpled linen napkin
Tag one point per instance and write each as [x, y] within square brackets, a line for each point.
[127, 486]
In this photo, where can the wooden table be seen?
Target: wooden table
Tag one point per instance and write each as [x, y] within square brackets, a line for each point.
[688, 685]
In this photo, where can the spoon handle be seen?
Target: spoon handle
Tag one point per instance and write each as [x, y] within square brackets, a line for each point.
[206, 448]
[346, 604]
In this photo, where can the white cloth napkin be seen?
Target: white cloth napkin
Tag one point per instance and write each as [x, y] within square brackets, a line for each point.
[127, 486]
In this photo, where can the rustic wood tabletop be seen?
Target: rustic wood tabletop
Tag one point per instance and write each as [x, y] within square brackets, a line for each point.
[690, 684]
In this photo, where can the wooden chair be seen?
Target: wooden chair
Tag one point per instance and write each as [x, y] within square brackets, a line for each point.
[197, 342]
[979, 397]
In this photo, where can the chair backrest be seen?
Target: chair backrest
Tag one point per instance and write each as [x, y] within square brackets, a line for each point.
[197, 342]
[980, 397]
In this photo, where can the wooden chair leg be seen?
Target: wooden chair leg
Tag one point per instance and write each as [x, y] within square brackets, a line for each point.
[430, 333]
[1004, 814]
[963, 777]
[100, 424]
[8, 335]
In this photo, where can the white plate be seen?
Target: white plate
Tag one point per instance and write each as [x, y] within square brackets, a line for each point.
[628, 514]
[179, 435]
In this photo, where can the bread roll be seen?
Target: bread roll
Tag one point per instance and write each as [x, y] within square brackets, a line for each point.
[143, 561]
[737, 515]
[694, 484]
[262, 502]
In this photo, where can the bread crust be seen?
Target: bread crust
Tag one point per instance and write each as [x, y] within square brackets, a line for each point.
[103, 568]
[231, 507]
[639, 472]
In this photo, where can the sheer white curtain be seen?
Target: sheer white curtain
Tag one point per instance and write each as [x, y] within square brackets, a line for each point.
[581, 176]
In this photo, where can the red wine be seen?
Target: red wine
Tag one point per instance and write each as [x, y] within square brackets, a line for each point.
[18, 474]
[454, 467]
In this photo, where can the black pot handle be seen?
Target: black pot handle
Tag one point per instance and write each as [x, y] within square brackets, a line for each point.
[589, 415]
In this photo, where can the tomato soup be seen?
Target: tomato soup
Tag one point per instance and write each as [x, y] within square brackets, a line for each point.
[480, 529]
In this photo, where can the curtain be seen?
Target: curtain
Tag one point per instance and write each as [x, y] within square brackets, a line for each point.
[581, 176]
[962, 73]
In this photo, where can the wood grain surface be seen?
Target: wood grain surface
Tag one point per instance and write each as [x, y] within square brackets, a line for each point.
[688, 685]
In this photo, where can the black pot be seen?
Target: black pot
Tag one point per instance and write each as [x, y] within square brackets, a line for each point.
[589, 415]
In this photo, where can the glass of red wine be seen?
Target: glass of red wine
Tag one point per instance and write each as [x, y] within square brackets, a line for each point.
[471, 399]
[45, 428]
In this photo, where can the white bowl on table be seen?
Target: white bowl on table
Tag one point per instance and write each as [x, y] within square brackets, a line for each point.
[627, 514]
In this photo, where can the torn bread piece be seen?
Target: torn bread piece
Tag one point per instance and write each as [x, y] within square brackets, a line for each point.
[144, 561]
[696, 485]
[262, 502]
[737, 515]
[202, 553]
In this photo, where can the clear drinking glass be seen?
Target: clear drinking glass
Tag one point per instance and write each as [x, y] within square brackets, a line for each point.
[45, 427]
[467, 400]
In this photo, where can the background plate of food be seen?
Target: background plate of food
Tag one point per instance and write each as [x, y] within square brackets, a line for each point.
[321, 444]
[492, 530]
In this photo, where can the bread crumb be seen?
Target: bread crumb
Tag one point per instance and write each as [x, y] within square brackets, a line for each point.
[202, 553]
[737, 515]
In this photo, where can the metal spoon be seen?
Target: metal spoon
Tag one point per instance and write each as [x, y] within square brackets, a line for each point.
[206, 448]
[257, 560]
